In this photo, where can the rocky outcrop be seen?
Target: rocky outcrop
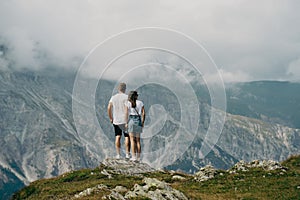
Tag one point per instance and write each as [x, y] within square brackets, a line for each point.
[126, 167]
[155, 189]
[89, 191]
[152, 189]
[205, 173]
[209, 172]
[267, 165]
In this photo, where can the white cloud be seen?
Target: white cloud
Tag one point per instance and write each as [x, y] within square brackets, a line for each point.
[255, 39]
[294, 70]
[227, 77]
[24, 48]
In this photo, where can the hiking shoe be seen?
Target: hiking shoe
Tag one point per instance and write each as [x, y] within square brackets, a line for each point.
[133, 159]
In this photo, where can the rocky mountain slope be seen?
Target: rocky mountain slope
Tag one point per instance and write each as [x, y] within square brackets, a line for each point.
[121, 179]
[243, 138]
[270, 101]
[38, 137]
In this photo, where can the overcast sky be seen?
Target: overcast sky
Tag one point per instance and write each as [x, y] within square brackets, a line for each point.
[248, 40]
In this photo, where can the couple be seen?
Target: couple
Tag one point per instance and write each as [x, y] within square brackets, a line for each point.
[127, 114]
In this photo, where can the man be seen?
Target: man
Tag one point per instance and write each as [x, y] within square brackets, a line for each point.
[116, 114]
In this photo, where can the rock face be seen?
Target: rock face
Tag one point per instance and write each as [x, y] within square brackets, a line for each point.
[245, 139]
[270, 101]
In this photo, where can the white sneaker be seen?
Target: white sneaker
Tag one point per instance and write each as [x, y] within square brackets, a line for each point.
[127, 156]
[118, 156]
[133, 159]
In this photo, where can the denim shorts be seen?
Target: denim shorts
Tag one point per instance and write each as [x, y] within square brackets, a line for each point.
[134, 124]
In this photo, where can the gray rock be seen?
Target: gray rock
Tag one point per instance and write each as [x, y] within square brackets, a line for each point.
[120, 189]
[104, 172]
[268, 165]
[126, 167]
[138, 191]
[84, 193]
[114, 196]
[102, 187]
[153, 182]
[89, 191]
[177, 177]
[155, 189]
[205, 173]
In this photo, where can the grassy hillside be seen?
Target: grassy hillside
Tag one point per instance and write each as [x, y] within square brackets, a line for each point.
[256, 183]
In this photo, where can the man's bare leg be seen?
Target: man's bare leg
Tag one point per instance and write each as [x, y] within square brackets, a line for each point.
[118, 145]
[127, 146]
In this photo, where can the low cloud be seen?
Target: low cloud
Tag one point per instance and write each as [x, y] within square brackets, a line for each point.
[228, 77]
[250, 40]
[294, 70]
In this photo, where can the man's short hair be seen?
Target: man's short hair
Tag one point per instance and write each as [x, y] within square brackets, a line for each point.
[122, 87]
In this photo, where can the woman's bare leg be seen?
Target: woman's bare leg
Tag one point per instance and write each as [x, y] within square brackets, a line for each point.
[138, 146]
[132, 143]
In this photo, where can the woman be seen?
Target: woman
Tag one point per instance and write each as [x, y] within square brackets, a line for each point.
[135, 118]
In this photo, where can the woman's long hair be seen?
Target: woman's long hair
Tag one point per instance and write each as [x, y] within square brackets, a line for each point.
[132, 97]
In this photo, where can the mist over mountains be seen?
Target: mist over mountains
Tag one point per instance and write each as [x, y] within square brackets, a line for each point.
[39, 139]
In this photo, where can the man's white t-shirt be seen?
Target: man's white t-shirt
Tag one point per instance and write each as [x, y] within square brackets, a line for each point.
[118, 101]
[138, 108]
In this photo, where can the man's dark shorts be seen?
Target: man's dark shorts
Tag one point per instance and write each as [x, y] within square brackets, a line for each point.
[119, 129]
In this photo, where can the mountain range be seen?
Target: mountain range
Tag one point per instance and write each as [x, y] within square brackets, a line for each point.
[39, 138]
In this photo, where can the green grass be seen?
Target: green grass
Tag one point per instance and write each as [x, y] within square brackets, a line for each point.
[253, 184]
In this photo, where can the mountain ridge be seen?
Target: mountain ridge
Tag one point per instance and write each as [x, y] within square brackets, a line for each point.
[270, 101]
